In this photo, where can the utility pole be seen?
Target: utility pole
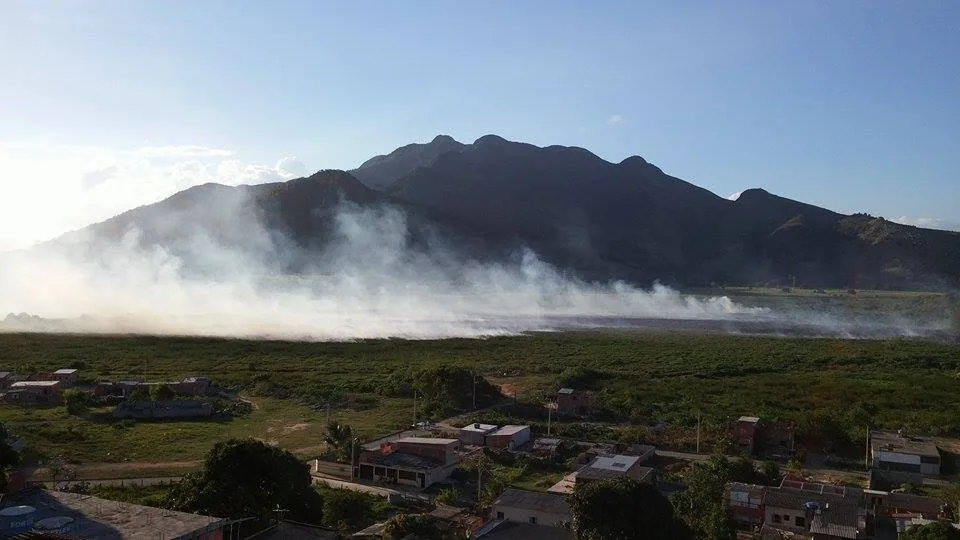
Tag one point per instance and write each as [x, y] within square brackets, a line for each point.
[414, 408]
[353, 445]
[328, 413]
[474, 389]
[698, 432]
[550, 407]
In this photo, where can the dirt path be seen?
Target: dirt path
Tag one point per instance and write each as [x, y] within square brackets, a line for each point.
[125, 470]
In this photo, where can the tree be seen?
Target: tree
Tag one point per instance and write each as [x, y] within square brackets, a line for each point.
[161, 392]
[620, 508]
[771, 473]
[701, 506]
[138, 394]
[346, 509]
[75, 401]
[8, 457]
[448, 389]
[339, 440]
[938, 530]
[248, 478]
[419, 526]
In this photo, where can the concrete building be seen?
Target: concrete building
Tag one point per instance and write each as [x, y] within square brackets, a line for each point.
[615, 466]
[898, 458]
[67, 376]
[546, 447]
[476, 434]
[413, 461]
[753, 435]
[571, 402]
[509, 437]
[531, 507]
[746, 502]
[34, 393]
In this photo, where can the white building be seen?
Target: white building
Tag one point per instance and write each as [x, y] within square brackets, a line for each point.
[476, 434]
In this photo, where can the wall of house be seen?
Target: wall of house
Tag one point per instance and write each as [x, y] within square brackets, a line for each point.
[786, 518]
[442, 453]
[473, 438]
[521, 515]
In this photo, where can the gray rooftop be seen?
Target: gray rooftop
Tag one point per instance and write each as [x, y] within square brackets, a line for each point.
[890, 441]
[533, 500]
[603, 467]
[104, 519]
[839, 522]
[509, 530]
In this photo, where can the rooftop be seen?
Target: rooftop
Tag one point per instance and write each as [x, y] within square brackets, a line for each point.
[890, 441]
[401, 460]
[796, 500]
[26, 384]
[482, 428]
[566, 391]
[104, 519]
[603, 467]
[510, 430]
[533, 500]
[840, 522]
[749, 419]
[509, 530]
[915, 503]
[65, 371]
[426, 440]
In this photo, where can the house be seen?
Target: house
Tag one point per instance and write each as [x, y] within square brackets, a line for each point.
[414, 461]
[192, 386]
[753, 435]
[509, 437]
[745, 434]
[531, 507]
[546, 447]
[6, 379]
[615, 466]
[745, 502]
[67, 377]
[572, 402]
[822, 511]
[899, 458]
[892, 504]
[34, 393]
[643, 451]
[476, 434]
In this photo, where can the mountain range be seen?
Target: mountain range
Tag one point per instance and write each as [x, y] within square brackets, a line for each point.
[587, 216]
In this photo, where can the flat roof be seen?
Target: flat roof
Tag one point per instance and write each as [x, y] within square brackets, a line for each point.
[480, 428]
[751, 419]
[426, 440]
[510, 430]
[511, 530]
[565, 391]
[24, 384]
[533, 500]
[94, 517]
[603, 467]
[65, 371]
[890, 441]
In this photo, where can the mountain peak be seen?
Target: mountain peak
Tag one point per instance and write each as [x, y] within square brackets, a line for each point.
[490, 140]
[444, 139]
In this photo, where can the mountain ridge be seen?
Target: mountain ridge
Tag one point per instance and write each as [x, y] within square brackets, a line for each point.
[600, 220]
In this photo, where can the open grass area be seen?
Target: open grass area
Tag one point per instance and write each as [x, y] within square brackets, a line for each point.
[644, 378]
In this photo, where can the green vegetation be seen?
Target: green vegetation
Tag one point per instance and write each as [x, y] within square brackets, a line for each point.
[938, 530]
[75, 401]
[623, 508]
[419, 526]
[652, 384]
[8, 458]
[702, 505]
[154, 495]
[347, 510]
[251, 479]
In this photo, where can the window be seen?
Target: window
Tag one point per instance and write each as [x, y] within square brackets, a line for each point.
[786, 518]
[801, 522]
[776, 518]
[499, 515]
[533, 520]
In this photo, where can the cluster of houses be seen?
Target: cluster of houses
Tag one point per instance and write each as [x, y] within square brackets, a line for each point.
[46, 389]
[809, 510]
[37, 389]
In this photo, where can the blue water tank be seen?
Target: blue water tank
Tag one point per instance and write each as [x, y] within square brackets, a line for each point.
[16, 519]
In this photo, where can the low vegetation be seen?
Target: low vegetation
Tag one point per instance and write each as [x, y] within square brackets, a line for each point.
[652, 386]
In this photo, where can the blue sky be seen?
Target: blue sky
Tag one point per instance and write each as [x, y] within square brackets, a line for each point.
[104, 105]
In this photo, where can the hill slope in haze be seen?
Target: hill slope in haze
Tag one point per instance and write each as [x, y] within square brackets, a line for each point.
[597, 219]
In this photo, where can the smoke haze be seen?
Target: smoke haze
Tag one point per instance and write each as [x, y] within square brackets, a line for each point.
[369, 281]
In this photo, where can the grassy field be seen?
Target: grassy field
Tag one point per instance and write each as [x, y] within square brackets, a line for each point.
[645, 379]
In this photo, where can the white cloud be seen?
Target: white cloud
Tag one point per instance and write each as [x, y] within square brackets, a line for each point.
[51, 189]
[734, 196]
[615, 119]
[928, 223]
